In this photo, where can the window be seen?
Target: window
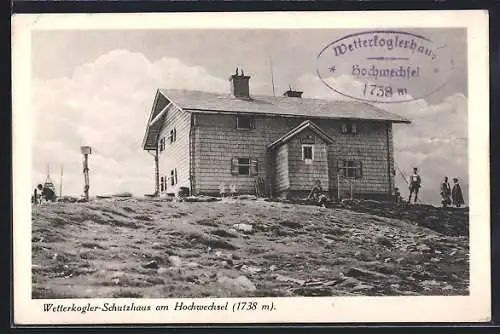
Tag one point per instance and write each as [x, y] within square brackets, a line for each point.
[245, 122]
[348, 128]
[172, 179]
[162, 184]
[350, 168]
[162, 144]
[173, 135]
[307, 153]
[244, 166]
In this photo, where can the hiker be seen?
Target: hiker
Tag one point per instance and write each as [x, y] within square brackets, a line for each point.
[415, 184]
[37, 194]
[445, 192]
[456, 194]
[317, 194]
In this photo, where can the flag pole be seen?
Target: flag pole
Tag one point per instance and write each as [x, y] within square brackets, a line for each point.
[272, 74]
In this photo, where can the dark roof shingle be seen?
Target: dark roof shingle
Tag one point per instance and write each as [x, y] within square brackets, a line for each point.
[279, 106]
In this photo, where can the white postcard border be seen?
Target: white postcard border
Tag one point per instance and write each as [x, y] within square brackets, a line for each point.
[472, 308]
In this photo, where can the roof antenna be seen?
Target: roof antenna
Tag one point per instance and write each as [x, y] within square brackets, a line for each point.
[272, 74]
[61, 182]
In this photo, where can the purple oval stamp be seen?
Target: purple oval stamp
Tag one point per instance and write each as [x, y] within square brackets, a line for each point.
[384, 66]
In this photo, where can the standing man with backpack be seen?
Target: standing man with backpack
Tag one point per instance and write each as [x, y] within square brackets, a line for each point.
[415, 184]
[445, 192]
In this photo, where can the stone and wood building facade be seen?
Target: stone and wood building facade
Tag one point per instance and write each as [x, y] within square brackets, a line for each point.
[205, 142]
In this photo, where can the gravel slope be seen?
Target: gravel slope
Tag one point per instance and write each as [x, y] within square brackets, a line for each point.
[159, 249]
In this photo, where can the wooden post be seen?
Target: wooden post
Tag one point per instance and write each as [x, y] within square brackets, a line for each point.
[86, 176]
[338, 186]
[157, 173]
[350, 188]
[61, 183]
[86, 150]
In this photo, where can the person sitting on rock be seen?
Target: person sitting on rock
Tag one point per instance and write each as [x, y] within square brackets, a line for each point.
[317, 194]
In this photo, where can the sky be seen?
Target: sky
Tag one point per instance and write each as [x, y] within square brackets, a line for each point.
[96, 88]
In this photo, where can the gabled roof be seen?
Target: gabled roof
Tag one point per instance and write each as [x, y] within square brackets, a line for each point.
[298, 129]
[198, 101]
[154, 129]
[206, 102]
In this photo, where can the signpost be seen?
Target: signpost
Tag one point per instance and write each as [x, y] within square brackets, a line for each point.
[86, 150]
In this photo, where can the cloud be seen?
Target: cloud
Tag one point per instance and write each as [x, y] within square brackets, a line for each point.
[105, 104]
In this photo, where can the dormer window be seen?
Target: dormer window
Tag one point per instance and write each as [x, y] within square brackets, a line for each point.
[308, 153]
[244, 123]
[348, 128]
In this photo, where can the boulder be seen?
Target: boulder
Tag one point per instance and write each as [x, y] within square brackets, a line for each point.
[357, 272]
[151, 265]
[289, 279]
[250, 270]
[243, 227]
[175, 261]
[239, 284]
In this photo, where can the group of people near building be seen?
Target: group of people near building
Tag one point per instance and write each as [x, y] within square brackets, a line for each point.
[450, 196]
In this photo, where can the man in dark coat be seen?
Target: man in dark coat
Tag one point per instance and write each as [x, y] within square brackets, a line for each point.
[415, 184]
[37, 194]
[456, 194]
[445, 192]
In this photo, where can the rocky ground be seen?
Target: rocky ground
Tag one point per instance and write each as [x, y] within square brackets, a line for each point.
[246, 247]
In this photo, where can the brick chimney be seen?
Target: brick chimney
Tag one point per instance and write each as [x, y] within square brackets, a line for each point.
[292, 93]
[239, 85]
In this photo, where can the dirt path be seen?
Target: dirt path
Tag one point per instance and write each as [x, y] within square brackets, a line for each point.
[146, 248]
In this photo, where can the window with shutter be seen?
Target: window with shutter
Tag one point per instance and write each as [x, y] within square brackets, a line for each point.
[241, 166]
[350, 168]
[340, 167]
[254, 168]
[234, 166]
[172, 178]
[359, 170]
